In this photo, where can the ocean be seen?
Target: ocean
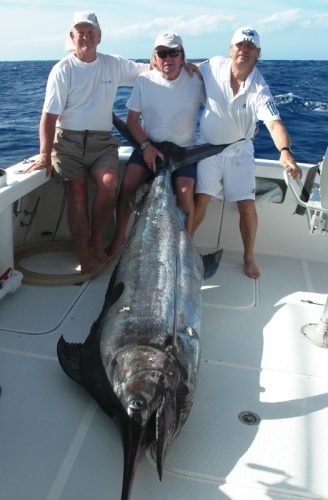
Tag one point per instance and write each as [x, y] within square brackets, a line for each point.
[298, 87]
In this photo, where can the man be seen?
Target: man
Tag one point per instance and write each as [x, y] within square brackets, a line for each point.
[168, 101]
[237, 97]
[75, 135]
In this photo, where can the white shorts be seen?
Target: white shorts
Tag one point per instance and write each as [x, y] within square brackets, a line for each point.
[230, 174]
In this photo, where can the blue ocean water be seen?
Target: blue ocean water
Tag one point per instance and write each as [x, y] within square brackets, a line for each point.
[299, 89]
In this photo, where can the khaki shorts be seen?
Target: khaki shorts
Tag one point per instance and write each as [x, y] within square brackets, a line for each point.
[75, 153]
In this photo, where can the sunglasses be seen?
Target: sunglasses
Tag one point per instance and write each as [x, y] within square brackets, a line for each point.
[171, 52]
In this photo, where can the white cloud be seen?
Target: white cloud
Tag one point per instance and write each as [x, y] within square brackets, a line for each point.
[282, 17]
[193, 26]
[321, 18]
[36, 29]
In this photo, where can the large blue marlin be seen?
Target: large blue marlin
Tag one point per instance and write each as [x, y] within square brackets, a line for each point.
[141, 358]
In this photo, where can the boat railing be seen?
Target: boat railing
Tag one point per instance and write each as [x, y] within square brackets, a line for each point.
[312, 199]
[312, 196]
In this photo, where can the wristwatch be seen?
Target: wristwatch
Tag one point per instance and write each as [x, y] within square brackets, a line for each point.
[286, 148]
[144, 144]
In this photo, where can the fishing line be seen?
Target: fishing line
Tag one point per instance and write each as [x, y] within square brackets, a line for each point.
[220, 226]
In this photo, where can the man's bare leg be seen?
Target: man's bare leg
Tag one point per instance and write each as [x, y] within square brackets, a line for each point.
[78, 221]
[184, 188]
[106, 181]
[201, 202]
[134, 176]
[248, 227]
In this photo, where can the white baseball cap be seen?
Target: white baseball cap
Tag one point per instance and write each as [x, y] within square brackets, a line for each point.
[170, 40]
[246, 34]
[85, 17]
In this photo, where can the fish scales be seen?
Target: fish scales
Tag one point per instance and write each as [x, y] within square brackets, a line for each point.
[159, 254]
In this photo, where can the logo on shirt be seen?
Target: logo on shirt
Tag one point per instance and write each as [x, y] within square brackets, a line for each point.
[272, 108]
[106, 81]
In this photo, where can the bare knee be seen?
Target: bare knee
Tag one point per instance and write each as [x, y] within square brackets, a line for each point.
[106, 181]
[184, 190]
[246, 207]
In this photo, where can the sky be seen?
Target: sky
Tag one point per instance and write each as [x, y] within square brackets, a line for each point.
[289, 29]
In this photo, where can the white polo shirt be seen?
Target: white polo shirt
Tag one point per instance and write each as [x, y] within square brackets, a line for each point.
[227, 118]
[169, 108]
[82, 94]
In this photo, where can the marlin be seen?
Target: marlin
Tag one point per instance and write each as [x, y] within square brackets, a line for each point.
[141, 358]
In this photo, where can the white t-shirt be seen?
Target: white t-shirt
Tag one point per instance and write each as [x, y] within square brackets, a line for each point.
[169, 108]
[82, 94]
[227, 118]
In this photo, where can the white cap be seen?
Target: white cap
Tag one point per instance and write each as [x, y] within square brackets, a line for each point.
[85, 17]
[170, 40]
[246, 34]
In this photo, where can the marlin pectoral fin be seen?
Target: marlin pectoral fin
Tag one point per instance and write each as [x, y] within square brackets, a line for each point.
[117, 292]
[123, 129]
[201, 151]
[114, 291]
[211, 263]
[179, 156]
[69, 356]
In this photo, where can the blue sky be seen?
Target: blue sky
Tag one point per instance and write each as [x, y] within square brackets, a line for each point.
[36, 29]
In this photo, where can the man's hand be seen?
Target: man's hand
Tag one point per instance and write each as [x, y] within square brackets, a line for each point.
[287, 161]
[44, 161]
[150, 154]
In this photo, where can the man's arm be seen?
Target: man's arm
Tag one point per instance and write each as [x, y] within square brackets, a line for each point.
[47, 131]
[282, 142]
[150, 153]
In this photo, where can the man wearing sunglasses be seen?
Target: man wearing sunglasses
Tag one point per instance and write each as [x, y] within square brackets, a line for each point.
[167, 99]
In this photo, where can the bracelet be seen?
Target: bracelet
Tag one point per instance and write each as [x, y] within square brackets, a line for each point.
[286, 148]
[144, 144]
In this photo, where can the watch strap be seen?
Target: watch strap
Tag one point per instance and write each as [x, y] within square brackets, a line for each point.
[144, 144]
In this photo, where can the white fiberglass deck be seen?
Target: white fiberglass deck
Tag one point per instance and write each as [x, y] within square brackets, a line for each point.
[56, 443]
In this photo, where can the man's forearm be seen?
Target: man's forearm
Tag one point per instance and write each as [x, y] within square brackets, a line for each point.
[47, 131]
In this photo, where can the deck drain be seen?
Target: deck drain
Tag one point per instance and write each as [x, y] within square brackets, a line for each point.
[249, 418]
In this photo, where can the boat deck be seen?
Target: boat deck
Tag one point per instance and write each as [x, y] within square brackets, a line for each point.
[56, 443]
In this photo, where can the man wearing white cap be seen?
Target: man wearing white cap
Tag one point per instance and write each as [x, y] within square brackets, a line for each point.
[75, 133]
[168, 100]
[237, 97]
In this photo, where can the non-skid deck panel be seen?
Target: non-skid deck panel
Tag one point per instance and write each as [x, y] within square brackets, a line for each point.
[287, 452]
[39, 416]
[36, 310]
[285, 348]
[269, 335]
[62, 446]
[220, 290]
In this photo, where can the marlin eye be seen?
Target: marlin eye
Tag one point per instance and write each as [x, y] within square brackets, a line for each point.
[137, 404]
